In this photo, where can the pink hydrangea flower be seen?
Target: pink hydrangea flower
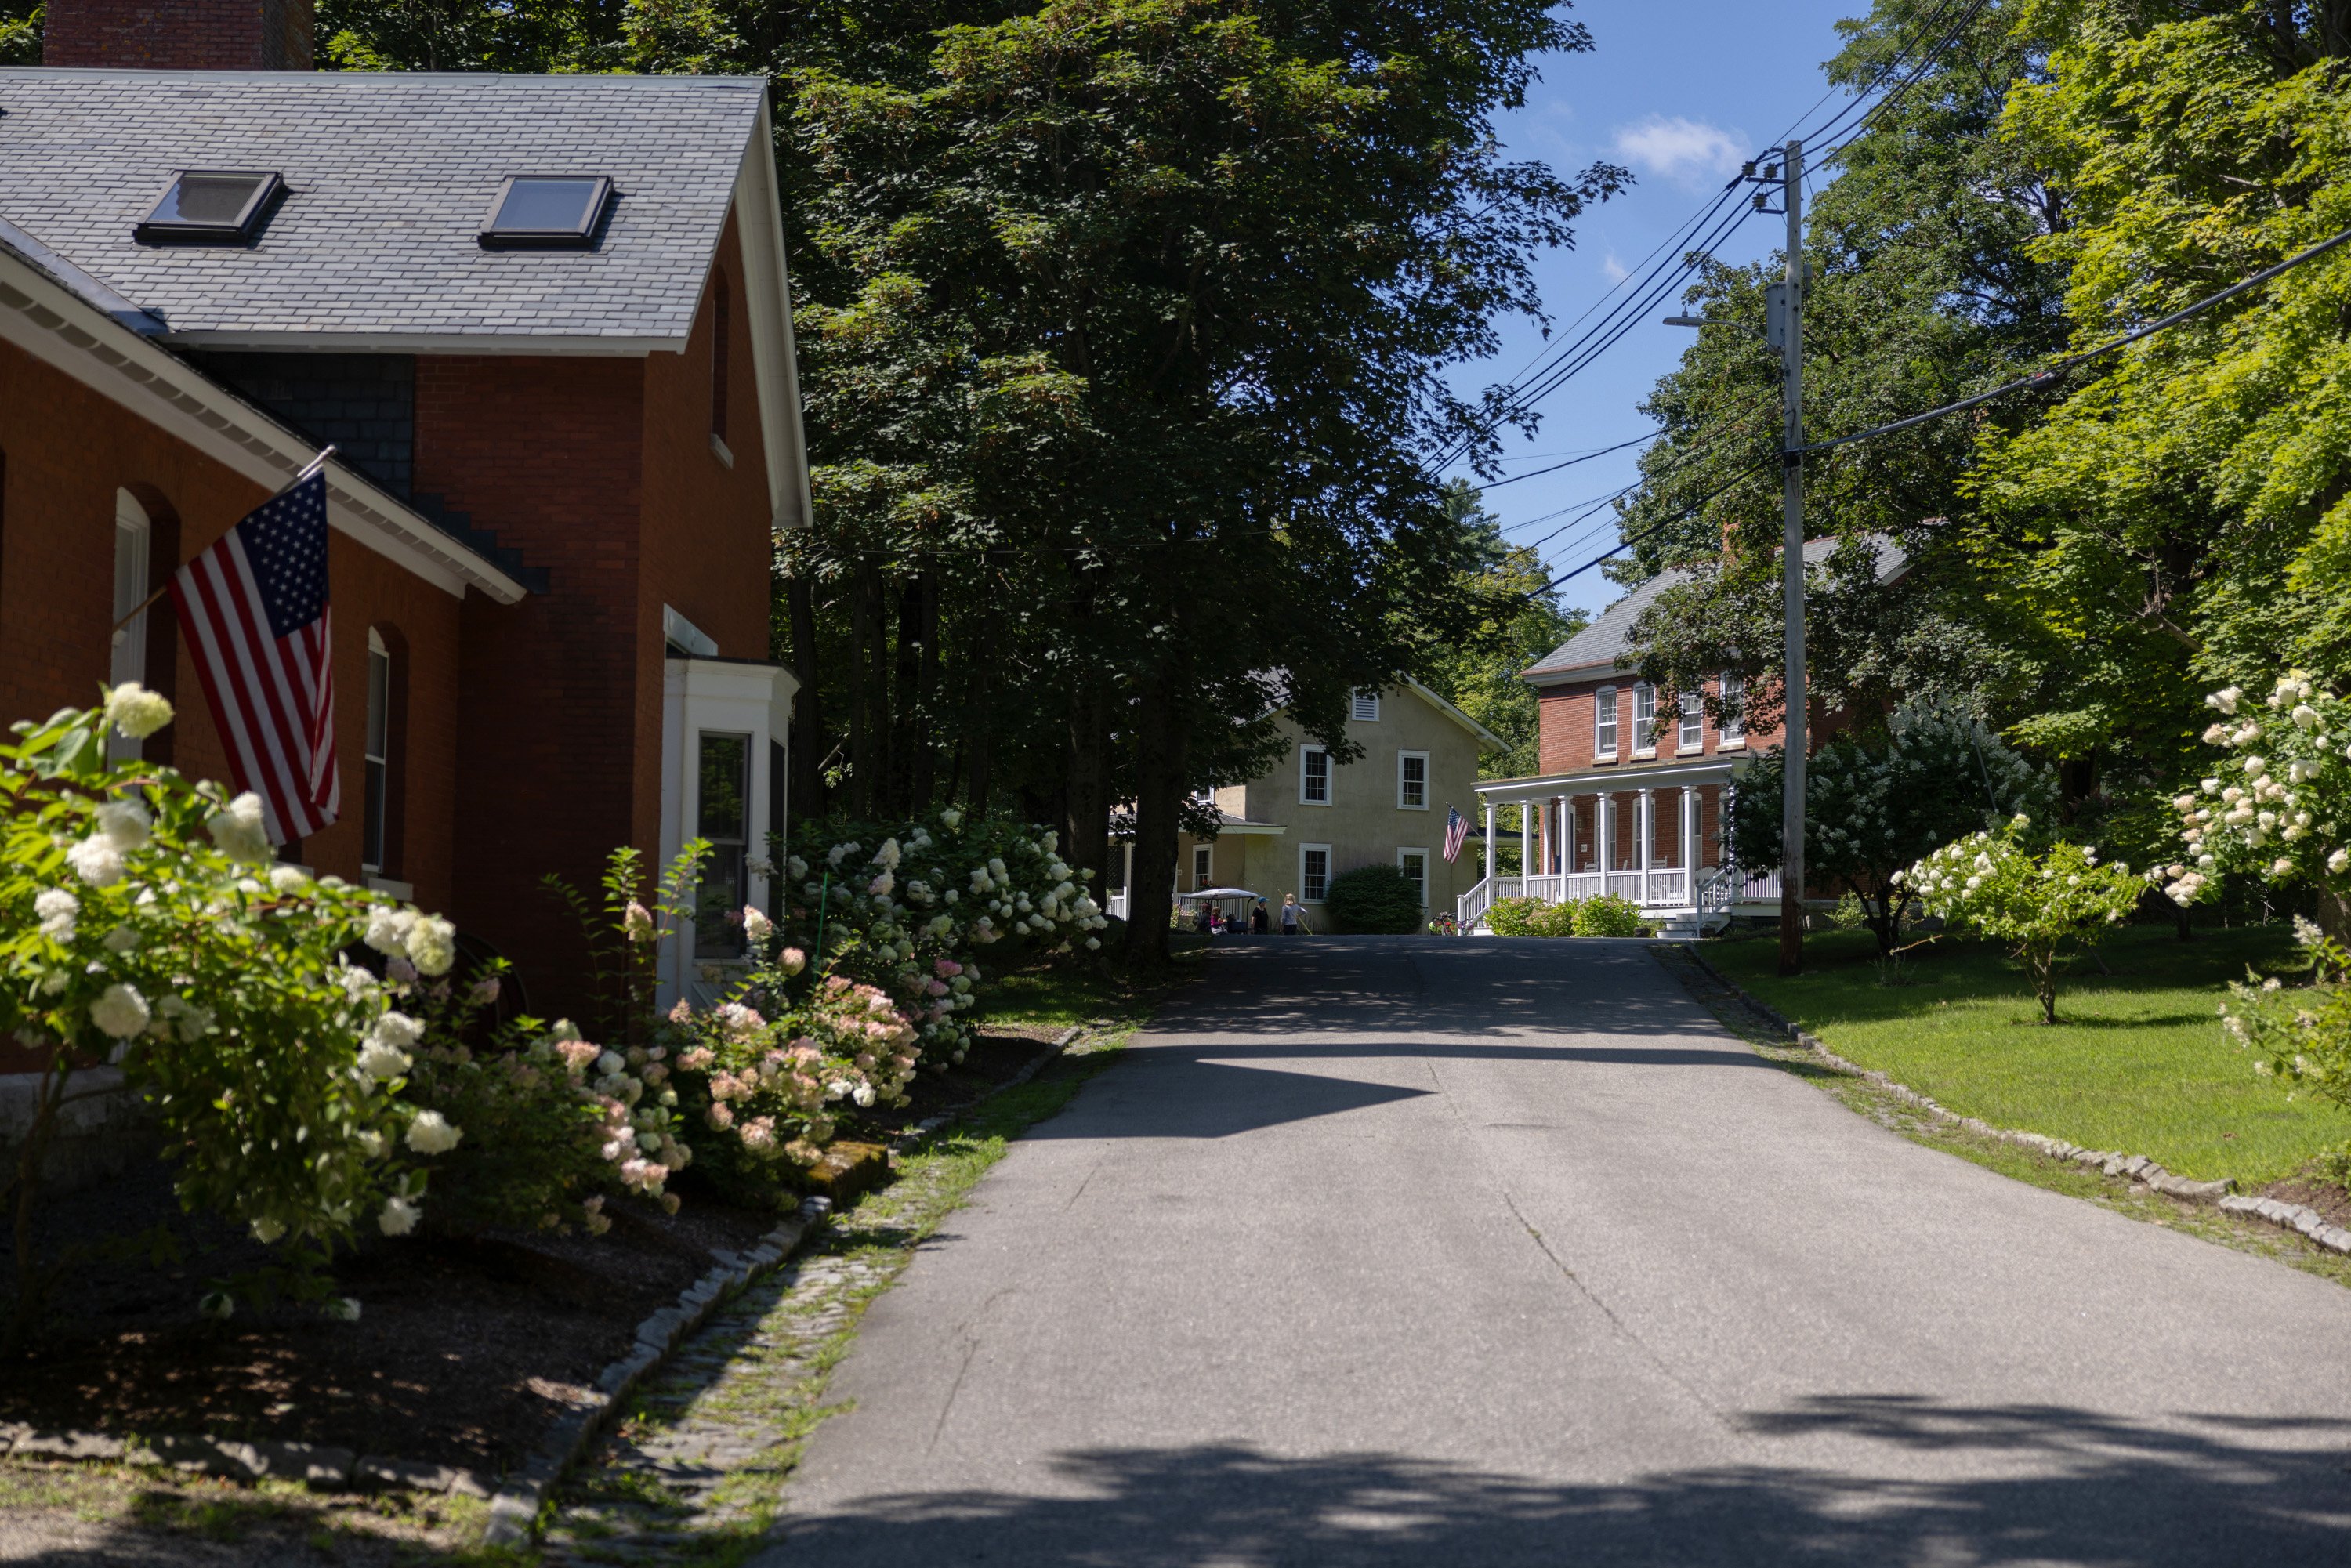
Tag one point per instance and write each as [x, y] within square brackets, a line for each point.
[946, 969]
[699, 1058]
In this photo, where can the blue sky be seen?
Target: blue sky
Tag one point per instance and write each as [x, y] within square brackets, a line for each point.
[1681, 92]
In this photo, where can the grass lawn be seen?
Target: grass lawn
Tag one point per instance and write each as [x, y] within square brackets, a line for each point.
[2137, 1062]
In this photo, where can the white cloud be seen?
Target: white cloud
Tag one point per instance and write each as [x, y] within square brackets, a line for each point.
[1687, 152]
[1614, 271]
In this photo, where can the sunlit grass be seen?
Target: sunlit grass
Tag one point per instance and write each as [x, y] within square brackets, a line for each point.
[2138, 1062]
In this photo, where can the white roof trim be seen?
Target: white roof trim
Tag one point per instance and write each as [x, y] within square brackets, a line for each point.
[1716, 768]
[1457, 717]
[775, 362]
[59, 327]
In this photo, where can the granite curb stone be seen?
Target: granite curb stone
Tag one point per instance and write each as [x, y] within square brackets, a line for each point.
[2294, 1217]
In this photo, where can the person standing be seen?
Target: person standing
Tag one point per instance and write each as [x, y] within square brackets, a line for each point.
[1290, 913]
[1256, 918]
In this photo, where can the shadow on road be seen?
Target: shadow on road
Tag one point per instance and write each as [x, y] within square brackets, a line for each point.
[2102, 1491]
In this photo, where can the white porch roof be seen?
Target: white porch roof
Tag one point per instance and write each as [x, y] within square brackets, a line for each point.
[1714, 768]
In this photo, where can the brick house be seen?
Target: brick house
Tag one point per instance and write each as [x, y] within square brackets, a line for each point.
[543, 322]
[1630, 801]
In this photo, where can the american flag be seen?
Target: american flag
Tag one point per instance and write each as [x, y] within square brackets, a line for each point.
[255, 608]
[1456, 833]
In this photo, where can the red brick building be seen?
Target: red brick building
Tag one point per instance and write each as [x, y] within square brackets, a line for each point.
[1630, 800]
[543, 322]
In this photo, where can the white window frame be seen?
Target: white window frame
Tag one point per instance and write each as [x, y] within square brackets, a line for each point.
[1327, 790]
[375, 751]
[1605, 720]
[1644, 729]
[1689, 735]
[1732, 730]
[134, 542]
[1403, 804]
[1405, 851]
[1364, 709]
[1303, 850]
[1204, 866]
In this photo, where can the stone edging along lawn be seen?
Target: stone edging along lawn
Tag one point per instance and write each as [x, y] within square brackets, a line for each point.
[2307, 1222]
[514, 1506]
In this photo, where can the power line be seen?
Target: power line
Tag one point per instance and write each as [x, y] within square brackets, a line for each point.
[1586, 457]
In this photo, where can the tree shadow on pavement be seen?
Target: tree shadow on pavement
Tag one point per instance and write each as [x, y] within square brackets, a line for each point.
[2015, 1485]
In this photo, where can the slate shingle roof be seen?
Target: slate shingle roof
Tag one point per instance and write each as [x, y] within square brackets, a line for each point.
[1609, 638]
[391, 177]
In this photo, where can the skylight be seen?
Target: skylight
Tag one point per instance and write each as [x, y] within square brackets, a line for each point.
[546, 211]
[211, 206]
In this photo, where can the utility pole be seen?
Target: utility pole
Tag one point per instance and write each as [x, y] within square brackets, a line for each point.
[1791, 570]
[1784, 331]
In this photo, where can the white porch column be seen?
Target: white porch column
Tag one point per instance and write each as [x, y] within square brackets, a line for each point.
[1489, 847]
[1603, 836]
[1690, 838]
[1728, 798]
[1526, 869]
[1645, 829]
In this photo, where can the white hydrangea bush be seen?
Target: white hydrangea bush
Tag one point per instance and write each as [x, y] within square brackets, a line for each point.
[143, 925]
[2278, 801]
[907, 909]
[2037, 894]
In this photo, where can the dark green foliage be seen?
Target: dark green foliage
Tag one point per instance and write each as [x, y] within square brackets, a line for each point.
[1610, 914]
[1375, 900]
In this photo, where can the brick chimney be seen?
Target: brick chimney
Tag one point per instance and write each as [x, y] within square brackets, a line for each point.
[179, 35]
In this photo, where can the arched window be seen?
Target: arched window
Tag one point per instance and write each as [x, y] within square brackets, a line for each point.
[134, 534]
[380, 845]
[722, 329]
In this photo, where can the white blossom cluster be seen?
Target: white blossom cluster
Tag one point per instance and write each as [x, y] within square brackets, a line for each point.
[2275, 805]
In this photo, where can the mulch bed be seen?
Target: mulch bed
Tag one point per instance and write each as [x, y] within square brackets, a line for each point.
[2314, 1192]
[464, 1347]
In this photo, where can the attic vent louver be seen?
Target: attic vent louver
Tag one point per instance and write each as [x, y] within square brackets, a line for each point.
[211, 206]
[546, 211]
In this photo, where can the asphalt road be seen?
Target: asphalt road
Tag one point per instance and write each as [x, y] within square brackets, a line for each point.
[1406, 1251]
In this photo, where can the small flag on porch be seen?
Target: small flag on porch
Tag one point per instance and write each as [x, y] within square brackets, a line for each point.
[1457, 833]
[254, 604]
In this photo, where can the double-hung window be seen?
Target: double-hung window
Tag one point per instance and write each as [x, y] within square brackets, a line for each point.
[1693, 726]
[1414, 864]
[376, 810]
[1313, 776]
[1313, 872]
[1604, 722]
[1644, 719]
[1412, 780]
[1204, 861]
[1732, 731]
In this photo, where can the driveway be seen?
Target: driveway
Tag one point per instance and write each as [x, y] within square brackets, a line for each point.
[1400, 1251]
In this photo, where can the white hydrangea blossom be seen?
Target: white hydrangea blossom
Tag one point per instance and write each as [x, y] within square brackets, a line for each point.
[125, 824]
[431, 1134]
[136, 711]
[97, 861]
[120, 1012]
[239, 831]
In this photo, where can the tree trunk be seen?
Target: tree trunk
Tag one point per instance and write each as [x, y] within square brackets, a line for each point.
[923, 712]
[1087, 827]
[863, 636]
[1159, 747]
[808, 711]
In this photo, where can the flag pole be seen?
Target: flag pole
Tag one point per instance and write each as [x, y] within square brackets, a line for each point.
[309, 468]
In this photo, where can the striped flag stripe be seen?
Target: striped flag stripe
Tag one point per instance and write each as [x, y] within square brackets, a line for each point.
[228, 636]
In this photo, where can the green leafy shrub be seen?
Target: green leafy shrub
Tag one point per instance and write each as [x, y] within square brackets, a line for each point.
[2036, 894]
[1375, 900]
[2301, 1034]
[1513, 917]
[1610, 914]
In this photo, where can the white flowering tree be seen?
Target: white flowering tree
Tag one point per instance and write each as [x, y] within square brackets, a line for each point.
[1876, 803]
[2301, 1034]
[2277, 803]
[143, 926]
[2038, 896]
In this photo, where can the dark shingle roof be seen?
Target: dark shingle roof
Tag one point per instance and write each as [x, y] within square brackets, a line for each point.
[1609, 638]
[390, 176]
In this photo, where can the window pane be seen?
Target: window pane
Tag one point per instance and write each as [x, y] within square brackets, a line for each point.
[557, 205]
[207, 198]
[379, 709]
[1414, 866]
[1416, 781]
[723, 818]
[1313, 875]
[1317, 776]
